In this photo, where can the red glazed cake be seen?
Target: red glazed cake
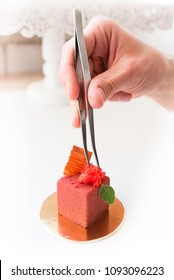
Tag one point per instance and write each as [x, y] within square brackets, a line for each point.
[83, 193]
[80, 202]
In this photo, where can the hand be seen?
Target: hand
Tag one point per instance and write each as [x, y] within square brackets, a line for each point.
[122, 67]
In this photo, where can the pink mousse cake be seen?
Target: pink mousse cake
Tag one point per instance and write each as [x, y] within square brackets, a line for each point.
[80, 202]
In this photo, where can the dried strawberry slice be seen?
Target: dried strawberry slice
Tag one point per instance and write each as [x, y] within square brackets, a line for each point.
[76, 161]
[91, 174]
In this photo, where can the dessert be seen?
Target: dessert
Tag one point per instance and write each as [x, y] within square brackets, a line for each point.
[79, 190]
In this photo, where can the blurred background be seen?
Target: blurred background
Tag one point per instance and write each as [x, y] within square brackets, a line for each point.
[21, 55]
[20, 61]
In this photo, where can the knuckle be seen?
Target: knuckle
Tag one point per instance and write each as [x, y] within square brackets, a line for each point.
[132, 67]
[109, 84]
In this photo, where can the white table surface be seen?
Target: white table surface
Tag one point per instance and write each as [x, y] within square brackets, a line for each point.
[136, 148]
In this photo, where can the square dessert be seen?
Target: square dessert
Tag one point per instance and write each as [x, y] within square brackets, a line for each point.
[80, 202]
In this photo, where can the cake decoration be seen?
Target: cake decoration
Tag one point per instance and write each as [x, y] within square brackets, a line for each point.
[76, 161]
[89, 174]
[94, 175]
[107, 193]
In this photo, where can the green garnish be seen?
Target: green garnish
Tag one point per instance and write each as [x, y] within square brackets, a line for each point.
[107, 193]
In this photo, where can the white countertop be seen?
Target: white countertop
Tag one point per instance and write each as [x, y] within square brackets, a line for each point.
[136, 148]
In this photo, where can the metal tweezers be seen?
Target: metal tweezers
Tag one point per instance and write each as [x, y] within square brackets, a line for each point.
[84, 77]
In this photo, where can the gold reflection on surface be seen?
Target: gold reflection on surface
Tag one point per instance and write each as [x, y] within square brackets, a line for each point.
[59, 226]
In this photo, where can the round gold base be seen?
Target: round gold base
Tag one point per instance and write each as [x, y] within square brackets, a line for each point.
[61, 227]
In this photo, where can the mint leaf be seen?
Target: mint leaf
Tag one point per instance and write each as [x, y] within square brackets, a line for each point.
[107, 193]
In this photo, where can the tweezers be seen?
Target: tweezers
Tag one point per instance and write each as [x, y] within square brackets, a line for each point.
[84, 77]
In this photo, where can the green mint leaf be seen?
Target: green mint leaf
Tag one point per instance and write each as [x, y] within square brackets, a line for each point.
[107, 193]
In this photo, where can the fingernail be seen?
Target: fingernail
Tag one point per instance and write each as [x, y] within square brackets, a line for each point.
[96, 96]
[101, 95]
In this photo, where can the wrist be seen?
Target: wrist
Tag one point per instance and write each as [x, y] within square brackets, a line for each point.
[163, 93]
[167, 83]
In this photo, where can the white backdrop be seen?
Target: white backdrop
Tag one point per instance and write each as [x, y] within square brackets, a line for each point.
[135, 146]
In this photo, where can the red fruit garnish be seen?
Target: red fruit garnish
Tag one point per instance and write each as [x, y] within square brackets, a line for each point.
[91, 175]
[76, 161]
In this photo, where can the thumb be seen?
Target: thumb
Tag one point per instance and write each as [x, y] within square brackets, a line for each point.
[108, 86]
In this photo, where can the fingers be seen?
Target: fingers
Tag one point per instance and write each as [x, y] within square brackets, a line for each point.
[109, 85]
[75, 114]
[121, 96]
[67, 72]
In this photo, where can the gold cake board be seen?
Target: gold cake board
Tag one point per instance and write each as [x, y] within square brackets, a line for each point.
[61, 227]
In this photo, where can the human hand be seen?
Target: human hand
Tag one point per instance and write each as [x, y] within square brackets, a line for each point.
[122, 67]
